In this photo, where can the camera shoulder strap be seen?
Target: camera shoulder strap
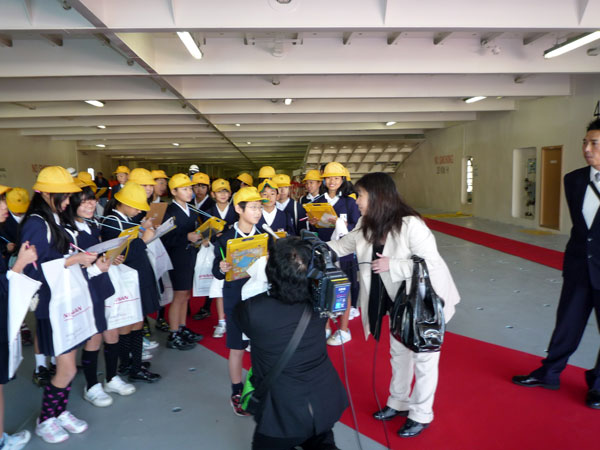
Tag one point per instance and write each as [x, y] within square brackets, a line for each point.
[287, 353]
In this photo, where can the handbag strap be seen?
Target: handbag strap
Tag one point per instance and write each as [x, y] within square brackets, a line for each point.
[287, 354]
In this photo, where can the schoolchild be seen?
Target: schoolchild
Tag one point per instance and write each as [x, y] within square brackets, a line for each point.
[245, 180]
[336, 195]
[287, 204]
[128, 203]
[273, 217]
[247, 202]
[312, 183]
[79, 218]
[42, 227]
[27, 254]
[178, 243]
[144, 178]
[202, 200]
[122, 175]
[265, 173]
[160, 188]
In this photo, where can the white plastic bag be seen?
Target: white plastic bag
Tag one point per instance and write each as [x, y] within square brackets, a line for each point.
[258, 283]
[216, 288]
[71, 309]
[203, 276]
[124, 307]
[166, 296]
[159, 258]
[341, 229]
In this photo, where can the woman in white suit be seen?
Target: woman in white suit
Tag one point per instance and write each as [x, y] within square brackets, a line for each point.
[388, 234]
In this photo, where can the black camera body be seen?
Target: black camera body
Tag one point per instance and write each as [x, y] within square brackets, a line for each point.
[329, 286]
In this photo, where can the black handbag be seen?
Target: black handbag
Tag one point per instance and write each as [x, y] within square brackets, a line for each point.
[417, 317]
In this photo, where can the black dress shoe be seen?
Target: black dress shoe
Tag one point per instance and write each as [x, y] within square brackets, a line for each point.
[412, 428]
[592, 399]
[144, 375]
[531, 381]
[388, 413]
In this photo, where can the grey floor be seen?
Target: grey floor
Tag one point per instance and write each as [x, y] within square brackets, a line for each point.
[506, 300]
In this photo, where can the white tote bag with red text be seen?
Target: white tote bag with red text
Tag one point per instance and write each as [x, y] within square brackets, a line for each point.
[124, 307]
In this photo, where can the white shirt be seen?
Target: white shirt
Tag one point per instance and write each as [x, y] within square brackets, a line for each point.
[223, 213]
[241, 233]
[331, 201]
[17, 218]
[198, 205]
[269, 216]
[282, 206]
[591, 200]
[186, 210]
[82, 226]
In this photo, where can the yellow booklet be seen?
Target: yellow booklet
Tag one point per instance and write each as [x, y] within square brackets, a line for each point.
[281, 234]
[242, 252]
[321, 211]
[211, 227]
[131, 234]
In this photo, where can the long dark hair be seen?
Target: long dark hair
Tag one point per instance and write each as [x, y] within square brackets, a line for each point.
[69, 215]
[39, 206]
[286, 270]
[345, 189]
[385, 209]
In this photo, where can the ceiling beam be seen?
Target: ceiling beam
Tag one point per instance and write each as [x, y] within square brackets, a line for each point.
[394, 38]
[54, 39]
[441, 37]
[6, 40]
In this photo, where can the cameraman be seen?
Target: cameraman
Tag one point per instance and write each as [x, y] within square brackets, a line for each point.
[307, 398]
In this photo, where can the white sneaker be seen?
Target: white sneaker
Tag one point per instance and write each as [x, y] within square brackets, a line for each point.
[327, 333]
[220, 330]
[51, 431]
[339, 337]
[149, 345]
[16, 441]
[146, 356]
[118, 386]
[96, 396]
[354, 312]
[71, 423]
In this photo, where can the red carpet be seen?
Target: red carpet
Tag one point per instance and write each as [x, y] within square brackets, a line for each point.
[476, 406]
[540, 255]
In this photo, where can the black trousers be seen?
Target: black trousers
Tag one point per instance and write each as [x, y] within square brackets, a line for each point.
[577, 300]
[323, 441]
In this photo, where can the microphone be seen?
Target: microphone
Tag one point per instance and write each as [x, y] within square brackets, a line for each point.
[269, 230]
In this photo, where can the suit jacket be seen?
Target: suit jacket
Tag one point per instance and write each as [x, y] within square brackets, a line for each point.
[414, 239]
[582, 255]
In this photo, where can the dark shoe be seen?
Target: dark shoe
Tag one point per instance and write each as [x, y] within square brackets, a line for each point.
[124, 370]
[412, 428]
[531, 381]
[590, 378]
[178, 342]
[161, 325]
[41, 377]
[236, 404]
[144, 375]
[190, 336]
[592, 399]
[52, 369]
[202, 314]
[388, 413]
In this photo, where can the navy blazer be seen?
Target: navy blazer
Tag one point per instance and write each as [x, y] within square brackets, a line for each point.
[282, 222]
[181, 252]
[206, 206]
[231, 217]
[296, 211]
[232, 290]
[10, 229]
[582, 254]
[345, 205]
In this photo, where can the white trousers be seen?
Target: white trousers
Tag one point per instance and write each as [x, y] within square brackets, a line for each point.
[407, 364]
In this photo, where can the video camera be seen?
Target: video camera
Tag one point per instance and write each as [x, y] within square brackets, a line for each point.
[329, 286]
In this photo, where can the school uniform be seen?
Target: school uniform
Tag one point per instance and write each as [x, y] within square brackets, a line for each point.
[229, 215]
[295, 211]
[180, 250]
[3, 323]
[10, 228]
[137, 259]
[205, 205]
[116, 188]
[278, 221]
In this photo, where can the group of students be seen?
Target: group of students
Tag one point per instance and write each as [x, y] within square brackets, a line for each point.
[64, 218]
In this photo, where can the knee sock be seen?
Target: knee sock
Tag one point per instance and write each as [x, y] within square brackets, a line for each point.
[54, 401]
[89, 361]
[124, 350]
[237, 388]
[207, 304]
[137, 344]
[111, 356]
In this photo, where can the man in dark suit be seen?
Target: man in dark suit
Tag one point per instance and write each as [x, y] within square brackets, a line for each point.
[581, 275]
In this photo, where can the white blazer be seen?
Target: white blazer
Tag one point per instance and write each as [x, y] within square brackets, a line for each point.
[414, 239]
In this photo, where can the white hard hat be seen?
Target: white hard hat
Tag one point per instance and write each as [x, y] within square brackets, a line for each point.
[194, 168]
[72, 171]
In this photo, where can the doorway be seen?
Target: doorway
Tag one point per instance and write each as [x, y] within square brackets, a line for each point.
[550, 187]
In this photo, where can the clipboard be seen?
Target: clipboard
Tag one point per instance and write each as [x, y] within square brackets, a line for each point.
[243, 252]
[210, 227]
[163, 229]
[156, 213]
[322, 212]
[106, 246]
[130, 234]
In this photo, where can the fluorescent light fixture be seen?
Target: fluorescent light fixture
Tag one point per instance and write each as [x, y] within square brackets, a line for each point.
[96, 103]
[249, 143]
[288, 101]
[175, 144]
[571, 44]
[102, 127]
[390, 123]
[190, 44]
[100, 145]
[474, 99]
[238, 125]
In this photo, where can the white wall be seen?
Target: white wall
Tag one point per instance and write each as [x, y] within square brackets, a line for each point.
[491, 140]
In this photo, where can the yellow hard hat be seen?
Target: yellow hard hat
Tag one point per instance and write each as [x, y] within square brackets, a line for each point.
[84, 179]
[334, 169]
[220, 184]
[201, 178]
[246, 178]
[247, 194]
[312, 175]
[134, 195]
[267, 183]
[17, 200]
[266, 172]
[180, 180]
[282, 180]
[347, 174]
[142, 176]
[156, 174]
[122, 169]
[55, 180]
[4, 189]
